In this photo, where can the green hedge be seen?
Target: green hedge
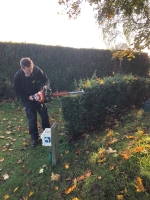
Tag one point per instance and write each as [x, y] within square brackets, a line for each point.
[61, 64]
[101, 98]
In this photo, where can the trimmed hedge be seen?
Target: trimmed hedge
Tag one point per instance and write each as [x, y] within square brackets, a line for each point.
[103, 97]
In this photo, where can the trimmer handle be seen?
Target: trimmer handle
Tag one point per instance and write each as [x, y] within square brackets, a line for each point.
[47, 93]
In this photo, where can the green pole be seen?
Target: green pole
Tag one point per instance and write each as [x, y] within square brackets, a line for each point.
[50, 154]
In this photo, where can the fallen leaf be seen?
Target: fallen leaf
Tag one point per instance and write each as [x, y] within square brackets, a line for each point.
[55, 177]
[16, 189]
[119, 196]
[30, 193]
[139, 186]
[102, 160]
[67, 165]
[1, 136]
[78, 151]
[75, 180]
[25, 144]
[4, 149]
[5, 176]
[6, 197]
[86, 175]
[126, 156]
[14, 140]
[8, 132]
[56, 188]
[111, 167]
[131, 142]
[20, 161]
[131, 136]
[68, 179]
[99, 177]
[41, 171]
[110, 133]
[110, 150]
[66, 152]
[67, 191]
[1, 159]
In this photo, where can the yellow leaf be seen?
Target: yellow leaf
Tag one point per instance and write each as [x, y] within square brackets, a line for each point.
[6, 197]
[56, 188]
[26, 131]
[55, 177]
[101, 151]
[102, 82]
[1, 159]
[16, 189]
[87, 136]
[30, 193]
[75, 198]
[66, 152]
[102, 160]
[110, 133]
[67, 191]
[67, 165]
[130, 136]
[120, 196]
[93, 142]
[140, 132]
[25, 144]
[111, 167]
[139, 186]
[99, 177]
[44, 166]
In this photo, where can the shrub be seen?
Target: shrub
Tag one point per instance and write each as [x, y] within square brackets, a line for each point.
[102, 98]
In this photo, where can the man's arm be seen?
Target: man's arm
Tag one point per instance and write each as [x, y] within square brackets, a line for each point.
[17, 89]
[44, 79]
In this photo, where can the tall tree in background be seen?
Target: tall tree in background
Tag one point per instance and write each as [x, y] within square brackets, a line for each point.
[132, 15]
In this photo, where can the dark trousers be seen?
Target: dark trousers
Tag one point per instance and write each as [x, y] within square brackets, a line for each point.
[31, 108]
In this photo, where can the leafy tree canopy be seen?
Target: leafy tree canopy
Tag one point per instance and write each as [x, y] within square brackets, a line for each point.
[132, 15]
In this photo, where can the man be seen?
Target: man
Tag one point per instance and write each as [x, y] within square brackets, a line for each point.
[27, 82]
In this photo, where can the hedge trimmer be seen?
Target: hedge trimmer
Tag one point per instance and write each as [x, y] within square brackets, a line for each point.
[46, 95]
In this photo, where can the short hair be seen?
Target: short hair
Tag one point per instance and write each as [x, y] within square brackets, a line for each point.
[26, 62]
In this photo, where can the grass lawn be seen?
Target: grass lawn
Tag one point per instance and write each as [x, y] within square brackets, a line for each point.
[106, 165]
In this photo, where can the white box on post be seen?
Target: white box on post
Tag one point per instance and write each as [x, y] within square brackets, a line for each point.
[46, 137]
[50, 138]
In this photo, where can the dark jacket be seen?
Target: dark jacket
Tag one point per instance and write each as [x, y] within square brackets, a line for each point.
[20, 84]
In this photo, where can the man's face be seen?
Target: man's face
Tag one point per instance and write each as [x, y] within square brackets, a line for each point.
[28, 70]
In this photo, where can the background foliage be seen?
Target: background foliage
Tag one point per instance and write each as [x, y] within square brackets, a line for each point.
[118, 17]
[62, 65]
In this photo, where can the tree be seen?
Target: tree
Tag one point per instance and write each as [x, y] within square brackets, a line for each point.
[132, 15]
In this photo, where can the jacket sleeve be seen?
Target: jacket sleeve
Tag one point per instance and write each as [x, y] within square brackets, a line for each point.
[18, 90]
[43, 77]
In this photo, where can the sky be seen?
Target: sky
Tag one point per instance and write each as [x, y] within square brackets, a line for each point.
[38, 21]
